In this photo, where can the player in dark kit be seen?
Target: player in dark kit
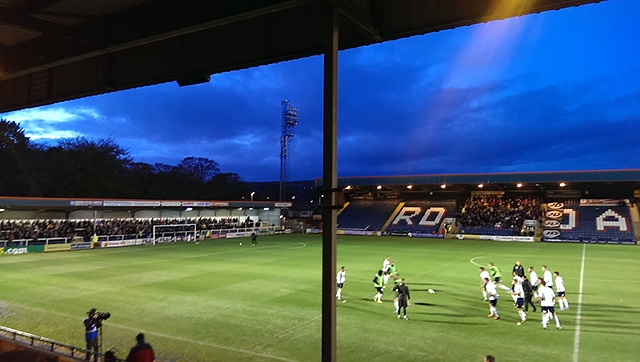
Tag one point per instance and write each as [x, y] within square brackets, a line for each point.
[528, 294]
[254, 238]
[403, 296]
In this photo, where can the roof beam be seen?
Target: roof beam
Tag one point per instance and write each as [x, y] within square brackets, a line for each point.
[359, 19]
[25, 20]
[136, 26]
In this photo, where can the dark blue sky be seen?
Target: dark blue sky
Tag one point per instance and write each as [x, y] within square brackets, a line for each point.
[545, 92]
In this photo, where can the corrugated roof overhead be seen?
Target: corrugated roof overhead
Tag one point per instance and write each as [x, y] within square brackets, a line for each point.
[121, 44]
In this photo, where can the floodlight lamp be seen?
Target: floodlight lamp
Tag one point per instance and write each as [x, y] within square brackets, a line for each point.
[480, 186]
[409, 187]
[562, 184]
[189, 209]
[519, 184]
[379, 187]
[349, 187]
[443, 186]
[1, 210]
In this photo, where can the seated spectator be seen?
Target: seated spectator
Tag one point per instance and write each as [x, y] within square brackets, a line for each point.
[142, 351]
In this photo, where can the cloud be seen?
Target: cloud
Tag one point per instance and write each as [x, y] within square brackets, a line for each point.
[553, 91]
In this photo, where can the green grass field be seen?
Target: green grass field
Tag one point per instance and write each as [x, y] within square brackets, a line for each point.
[218, 301]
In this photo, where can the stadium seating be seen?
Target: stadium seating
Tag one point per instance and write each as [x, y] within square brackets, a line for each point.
[366, 214]
[422, 217]
[499, 215]
[16, 232]
[593, 223]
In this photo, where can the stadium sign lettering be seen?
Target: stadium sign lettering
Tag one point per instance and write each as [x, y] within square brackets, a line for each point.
[16, 251]
[554, 214]
[602, 222]
[571, 219]
[556, 205]
[432, 216]
[551, 234]
[552, 224]
[620, 221]
[608, 219]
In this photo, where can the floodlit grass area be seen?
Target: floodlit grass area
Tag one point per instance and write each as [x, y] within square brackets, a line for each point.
[219, 301]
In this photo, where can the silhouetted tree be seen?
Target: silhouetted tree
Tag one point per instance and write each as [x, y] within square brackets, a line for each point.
[15, 160]
[85, 168]
[202, 169]
[80, 167]
[227, 186]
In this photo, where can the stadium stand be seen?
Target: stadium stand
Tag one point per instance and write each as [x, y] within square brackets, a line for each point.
[591, 221]
[500, 215]
[422, 217]
[366, 214]
[14, 232]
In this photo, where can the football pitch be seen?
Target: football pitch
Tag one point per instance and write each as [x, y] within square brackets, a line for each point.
[221, 301]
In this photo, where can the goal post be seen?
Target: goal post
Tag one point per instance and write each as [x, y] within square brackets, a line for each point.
[173, 233]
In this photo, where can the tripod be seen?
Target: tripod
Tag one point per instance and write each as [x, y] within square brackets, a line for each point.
[99, 353]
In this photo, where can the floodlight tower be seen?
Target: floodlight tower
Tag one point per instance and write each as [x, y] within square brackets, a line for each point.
[289, 120]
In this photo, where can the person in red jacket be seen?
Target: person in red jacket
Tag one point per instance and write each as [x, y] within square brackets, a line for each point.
[141, 352]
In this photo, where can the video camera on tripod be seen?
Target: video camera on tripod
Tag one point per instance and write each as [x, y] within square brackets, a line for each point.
[103, 315]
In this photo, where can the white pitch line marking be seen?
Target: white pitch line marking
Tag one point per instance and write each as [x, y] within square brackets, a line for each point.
[576, 341]
[473, 260]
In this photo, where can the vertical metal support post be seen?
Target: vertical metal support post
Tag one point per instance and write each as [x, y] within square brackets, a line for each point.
[329, 181]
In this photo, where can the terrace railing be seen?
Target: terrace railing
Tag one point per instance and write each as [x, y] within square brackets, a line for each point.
[43, 343]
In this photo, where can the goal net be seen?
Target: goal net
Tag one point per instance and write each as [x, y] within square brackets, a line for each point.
[173, 233]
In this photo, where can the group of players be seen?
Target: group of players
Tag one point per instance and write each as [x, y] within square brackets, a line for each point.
[380, 281]
[523, 290]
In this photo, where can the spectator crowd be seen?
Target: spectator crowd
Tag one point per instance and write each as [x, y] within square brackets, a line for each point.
[44, 229]
[498, 211]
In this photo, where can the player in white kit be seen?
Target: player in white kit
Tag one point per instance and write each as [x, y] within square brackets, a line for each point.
[562, 299]
[547, 300]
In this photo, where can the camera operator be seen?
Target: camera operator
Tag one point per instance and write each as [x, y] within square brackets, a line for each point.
[92, 325]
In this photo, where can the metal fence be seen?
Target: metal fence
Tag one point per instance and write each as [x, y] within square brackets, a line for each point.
[43, 343]
[173, 235]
